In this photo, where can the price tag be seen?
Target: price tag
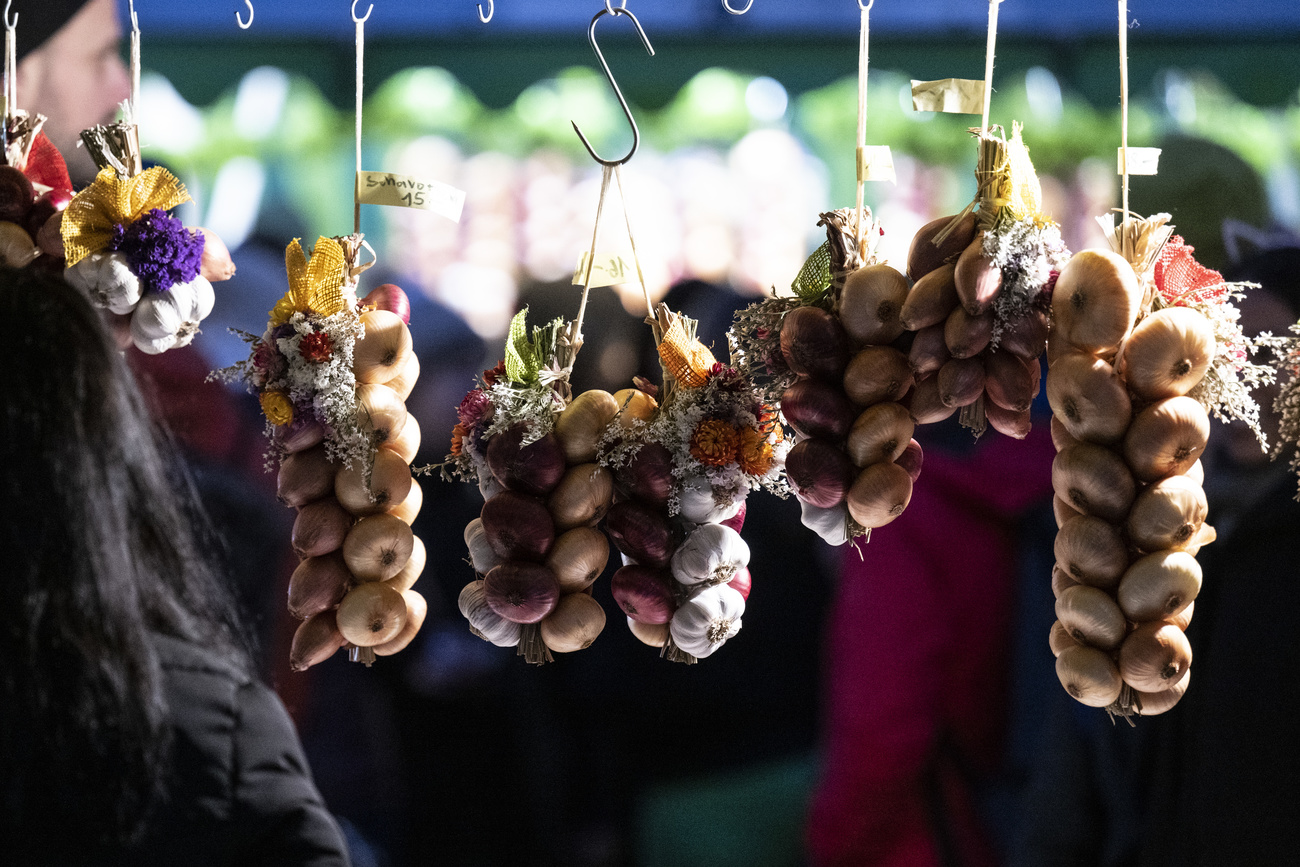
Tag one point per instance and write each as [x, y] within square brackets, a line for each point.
[404, 191]
[949, 95]
[1141, 161]
[876, 163]
[607, 269]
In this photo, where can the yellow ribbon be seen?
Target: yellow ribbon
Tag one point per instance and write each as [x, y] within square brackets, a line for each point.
[112, 201]
[1024, 192]
[689, 361]
[315, 286]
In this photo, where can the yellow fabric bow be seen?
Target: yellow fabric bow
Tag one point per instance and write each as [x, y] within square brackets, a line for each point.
[689, 361]
[315, 286]
[111, 201]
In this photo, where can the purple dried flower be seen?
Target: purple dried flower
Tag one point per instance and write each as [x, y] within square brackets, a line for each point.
[160, 250]
[474, 408]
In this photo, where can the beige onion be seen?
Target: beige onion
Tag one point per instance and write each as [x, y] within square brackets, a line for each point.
[1168, 353]
[1095, 301]
[1153, 703]
[1089, 676]
[1094, 480]
[582, 497]
[416, 609]
[411, 572]
[881, 433]
[382, 350]
[390, 484]
[574, 624]
[1059, 638]
[1091, 617]
[371, 614]
[1159, 586]
[1089, 398]
[1168, 514]
[1091, 551]
[577, 558]
[377, 547]
[1154, 657]
[1166, 438]
[381, 411]
[579, 425]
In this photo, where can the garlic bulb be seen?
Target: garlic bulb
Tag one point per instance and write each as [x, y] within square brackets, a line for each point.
[483, 621]
[107, 280]
[705, 622]
[163, 320]
[702, 505]
[711, 554]
[831, 524]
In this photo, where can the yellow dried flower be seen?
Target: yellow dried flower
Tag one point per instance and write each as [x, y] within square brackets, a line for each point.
[714, 442]
[277, 406]
[755, 452]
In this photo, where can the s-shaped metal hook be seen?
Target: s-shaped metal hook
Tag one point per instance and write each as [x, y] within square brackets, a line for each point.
[726, 4]
[492, 8]
[10, 25]
[354, 12]
[244, 25]
[627, 112]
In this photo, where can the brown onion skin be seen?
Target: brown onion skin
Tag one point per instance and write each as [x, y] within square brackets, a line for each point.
[1008, 422]
[819, 473]
[1026, 337]
[978, 280]
[320, 527]
[814, 343]
[518, 526]
[641, 533]
[923, 256]
[16, 195]
[1010, 381]
[961, 381]
[911, 460]
[304, 476]
[521, 592]
[928, 352]
[876, 374]
[967, 335]
[315, 640]
[648, 475]
[932, 298]
[645, 594]
[925, 404]
[816, 408]
[532, 469]
[318, 584]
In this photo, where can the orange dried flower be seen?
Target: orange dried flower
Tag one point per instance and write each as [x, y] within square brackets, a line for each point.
[755, 453]
[714, 442]
[457, 436]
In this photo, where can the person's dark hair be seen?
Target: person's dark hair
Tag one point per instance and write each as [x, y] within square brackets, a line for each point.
[102, 544]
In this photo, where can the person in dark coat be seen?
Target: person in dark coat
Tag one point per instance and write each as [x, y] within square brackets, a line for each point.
[132, 727]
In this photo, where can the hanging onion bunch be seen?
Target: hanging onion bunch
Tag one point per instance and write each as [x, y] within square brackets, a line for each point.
[1135, 338]
[130, 255]
[535, 546]
[332, 375]
[980, 297]
[34, 191]
[833, 359]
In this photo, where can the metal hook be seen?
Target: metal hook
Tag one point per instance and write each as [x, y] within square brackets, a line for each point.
[866, 8]
[492, 8]
[135, 22]
[727, 5]
[627, 112]
[614, 10]
[244, 25]
[10, 25]
[354, 12]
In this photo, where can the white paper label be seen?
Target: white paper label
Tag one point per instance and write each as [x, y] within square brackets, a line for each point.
[949, 95]
[404, 191]
[876, 163]
[607, 269]
[1141, 161]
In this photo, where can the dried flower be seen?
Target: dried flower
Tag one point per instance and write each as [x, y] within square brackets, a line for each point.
[316, 347]
[160, 250]
[715, 442]
[755, 453]
[277, 407]
[458, 433]
[491, 377]
[643, 384]
[475, 407]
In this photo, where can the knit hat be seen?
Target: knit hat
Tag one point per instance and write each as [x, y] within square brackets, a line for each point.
[38, 20]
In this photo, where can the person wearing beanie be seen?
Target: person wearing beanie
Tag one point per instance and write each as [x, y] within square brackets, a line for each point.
[70, 69]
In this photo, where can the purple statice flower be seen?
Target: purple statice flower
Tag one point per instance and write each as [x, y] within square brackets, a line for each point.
[160, 250]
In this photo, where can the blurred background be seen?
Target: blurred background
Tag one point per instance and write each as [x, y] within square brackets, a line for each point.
[455, 751]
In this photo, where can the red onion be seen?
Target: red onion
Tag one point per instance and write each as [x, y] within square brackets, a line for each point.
[814, 343]
[46, 205]
[818, 409]
[50, 236]
[641, 533]
[521, 592]
[16, 195]
[737, 520]
[535, 468]
[911, 460]
[742, 582]
[648, 476]
[391, 298]
[819, 473]
[644, 594]
[518, 527]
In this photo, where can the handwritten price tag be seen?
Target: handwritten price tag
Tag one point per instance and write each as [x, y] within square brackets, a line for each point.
[404, 191]
[606, 269]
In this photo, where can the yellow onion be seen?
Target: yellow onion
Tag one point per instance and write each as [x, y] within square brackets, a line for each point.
[1091, 617]
[1059, 638]
[407, 443]
[651, 634]
[1089, 398]
[582, 497]
[932, 298]
[1091, 551]
[870, 304]
[924, 255]
[377, 547]
[416, 609]
[579, 425]
[875, 374]
[1168, 514]
[880, 494]
[1168, 353]
[410, 573]
[1153, 703]
[928, 352]
[881, 433]
[578, 557]
[1154, 657]
[634, 405]
[1159, 586]
[1166, 438]
[403, 381]
[1094, 480]
[925, 403]
[967, 335]
[1061, 436]
[1062, 510]
[390, 484]
[1096, 300]
[409, 508]
[381, 411]
[1183, 618]
[574, 624]
[961, 381]
[1089, 676]
[320, 528]
[314, 641]
[371, 614]
[1012, 423]
[304, 476]
[382, 350]
[318, 584]
[1204, 536]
